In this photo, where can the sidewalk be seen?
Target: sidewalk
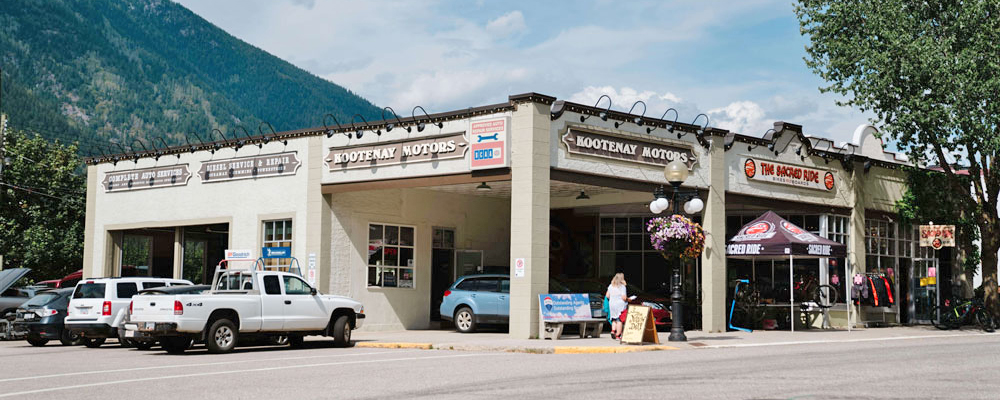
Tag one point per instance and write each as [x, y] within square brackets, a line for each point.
[569, 344]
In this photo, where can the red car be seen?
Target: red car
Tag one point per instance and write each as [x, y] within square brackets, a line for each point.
[66, 281]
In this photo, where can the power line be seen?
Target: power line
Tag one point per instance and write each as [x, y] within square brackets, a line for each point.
[72, 200]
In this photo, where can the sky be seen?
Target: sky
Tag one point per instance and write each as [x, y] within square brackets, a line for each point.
[740, 62]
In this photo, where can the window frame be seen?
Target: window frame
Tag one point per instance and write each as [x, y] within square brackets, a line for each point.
[287, 240]
[399, 246]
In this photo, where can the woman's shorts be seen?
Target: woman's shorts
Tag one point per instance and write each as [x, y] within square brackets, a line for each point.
[615, 319]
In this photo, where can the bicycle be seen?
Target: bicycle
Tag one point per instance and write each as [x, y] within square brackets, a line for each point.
[808, 288]
[947, 317]
[747, 302]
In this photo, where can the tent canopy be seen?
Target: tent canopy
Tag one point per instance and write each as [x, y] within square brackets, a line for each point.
[770, 236]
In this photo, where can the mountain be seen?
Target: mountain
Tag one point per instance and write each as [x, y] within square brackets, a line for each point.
[96, 70]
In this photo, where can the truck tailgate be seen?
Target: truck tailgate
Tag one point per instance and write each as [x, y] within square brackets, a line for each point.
[158, 308]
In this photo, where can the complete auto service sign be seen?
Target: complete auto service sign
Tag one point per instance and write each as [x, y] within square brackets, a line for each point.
[790, 175]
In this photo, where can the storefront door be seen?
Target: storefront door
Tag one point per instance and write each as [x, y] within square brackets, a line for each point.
[442, 267]
[924, 294]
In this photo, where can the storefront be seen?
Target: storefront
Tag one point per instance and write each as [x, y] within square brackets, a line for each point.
[390, 213]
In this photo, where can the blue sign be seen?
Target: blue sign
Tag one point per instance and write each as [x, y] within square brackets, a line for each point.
[564, 306]
[276, 252]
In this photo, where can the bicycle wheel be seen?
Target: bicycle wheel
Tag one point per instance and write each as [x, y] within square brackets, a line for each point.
[939, 317]
[825, 296]
[985, 320]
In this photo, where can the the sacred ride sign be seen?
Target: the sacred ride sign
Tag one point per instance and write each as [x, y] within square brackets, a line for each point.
[589, 143]
[434, 148]
[149, 178]
[785, 174]
[937, 236]
[249, 167]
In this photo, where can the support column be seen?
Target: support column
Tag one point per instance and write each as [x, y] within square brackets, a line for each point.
[856, 239]
[317, 222]
[713, 259]
[529, 217]
[179, 252]
[89, 228]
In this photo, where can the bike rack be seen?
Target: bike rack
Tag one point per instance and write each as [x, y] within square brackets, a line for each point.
[733, 306]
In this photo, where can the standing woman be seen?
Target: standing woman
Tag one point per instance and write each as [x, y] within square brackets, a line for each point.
[617, 300]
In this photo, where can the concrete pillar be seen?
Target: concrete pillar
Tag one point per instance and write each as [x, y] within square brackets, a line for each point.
[179, 252]
[529, 217]
[713, 259]
[317, 222]
[89, 227]
[856, 239]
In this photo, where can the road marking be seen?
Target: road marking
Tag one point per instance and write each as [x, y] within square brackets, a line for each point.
[52, 389]
[194, 365]
[722, 346]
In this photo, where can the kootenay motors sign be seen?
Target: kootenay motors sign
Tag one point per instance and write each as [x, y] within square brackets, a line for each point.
[249, 167]
[791, 175]
[124, 181]
[617, 148]
[435, 148]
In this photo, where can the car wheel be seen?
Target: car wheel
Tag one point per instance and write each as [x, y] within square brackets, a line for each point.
[222, 336]
[68, 338]
[144, 345]
[37, 341]
[342, 332]
[465, 320]
[296, 341]
[176, 344]
[93, 342]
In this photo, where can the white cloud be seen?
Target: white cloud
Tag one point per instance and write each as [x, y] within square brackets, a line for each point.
[744, 117]
[509, 24]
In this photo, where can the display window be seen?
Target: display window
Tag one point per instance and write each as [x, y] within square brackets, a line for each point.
[391, 256]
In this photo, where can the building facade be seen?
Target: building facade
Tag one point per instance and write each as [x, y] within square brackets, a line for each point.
[391, 213]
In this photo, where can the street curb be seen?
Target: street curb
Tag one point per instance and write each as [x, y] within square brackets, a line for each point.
[380, 345]
[604, 350]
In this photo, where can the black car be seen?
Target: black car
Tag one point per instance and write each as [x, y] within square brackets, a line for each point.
[40, 319]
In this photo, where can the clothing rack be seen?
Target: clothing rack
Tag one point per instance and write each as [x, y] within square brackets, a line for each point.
[867, 310]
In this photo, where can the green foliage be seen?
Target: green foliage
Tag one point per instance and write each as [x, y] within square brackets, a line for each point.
[928, 198]
[94, 70]
[42, 206]
[930, 71]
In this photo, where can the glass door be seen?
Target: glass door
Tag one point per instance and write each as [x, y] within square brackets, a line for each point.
[468, 262]
[924, 294]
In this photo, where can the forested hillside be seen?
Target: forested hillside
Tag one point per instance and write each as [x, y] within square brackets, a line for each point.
[100, 69]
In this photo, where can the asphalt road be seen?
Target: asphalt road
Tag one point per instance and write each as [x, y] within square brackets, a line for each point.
[952, 368]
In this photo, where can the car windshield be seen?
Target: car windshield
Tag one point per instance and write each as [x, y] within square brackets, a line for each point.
[40, 300]
[89, 291]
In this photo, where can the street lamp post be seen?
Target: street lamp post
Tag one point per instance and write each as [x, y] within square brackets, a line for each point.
[676, 173]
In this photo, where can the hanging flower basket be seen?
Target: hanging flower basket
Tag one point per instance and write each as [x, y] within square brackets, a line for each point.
[676, 237]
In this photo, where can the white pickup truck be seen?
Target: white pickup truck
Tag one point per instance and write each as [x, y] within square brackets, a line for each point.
[244, 303]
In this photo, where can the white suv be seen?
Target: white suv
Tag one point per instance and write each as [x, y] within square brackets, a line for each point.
[97, 302]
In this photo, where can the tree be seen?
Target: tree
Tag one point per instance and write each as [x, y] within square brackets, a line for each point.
[42, 205]
[930, 71]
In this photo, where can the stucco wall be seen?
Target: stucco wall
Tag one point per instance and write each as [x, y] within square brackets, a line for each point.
[480, 223]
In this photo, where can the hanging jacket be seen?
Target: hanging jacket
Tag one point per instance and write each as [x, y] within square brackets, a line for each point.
[874, 292]
[889, 298]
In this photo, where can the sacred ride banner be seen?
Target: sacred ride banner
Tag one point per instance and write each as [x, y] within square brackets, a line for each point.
[579, 141]
[249, 167]
[791, 175]
[149, 178]
[772, 236]
[432, 148]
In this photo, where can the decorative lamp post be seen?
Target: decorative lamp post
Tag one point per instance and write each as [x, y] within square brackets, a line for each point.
[676, 237]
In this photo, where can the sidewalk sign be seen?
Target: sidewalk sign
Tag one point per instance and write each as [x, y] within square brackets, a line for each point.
[639, 326]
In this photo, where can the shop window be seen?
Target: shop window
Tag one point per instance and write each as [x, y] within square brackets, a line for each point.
[391, 255]
[137, 255]
[194, 260]
[836, 228]
[278, 233]
[625, 247]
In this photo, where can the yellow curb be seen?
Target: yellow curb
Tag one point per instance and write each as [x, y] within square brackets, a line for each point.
[595, 350]
[378, 345]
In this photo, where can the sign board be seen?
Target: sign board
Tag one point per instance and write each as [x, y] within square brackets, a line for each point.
[149, 178]
[311, 269]
[564, 306]
[239, 255]
[281, 164]
[789, 175]
[519, 268]
[276, 252]
[937, 236]
[639, 326]
[590, 143]
[488, 142]
[433, 148]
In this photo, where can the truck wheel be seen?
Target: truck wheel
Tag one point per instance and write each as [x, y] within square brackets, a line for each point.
[222, 336]
[465, 320]
[175, 344]
[93, 342]
[69, 339]
[296, 341]
[342, 332]
[37, 341]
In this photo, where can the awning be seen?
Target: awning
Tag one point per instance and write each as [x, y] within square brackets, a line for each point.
[770, 236]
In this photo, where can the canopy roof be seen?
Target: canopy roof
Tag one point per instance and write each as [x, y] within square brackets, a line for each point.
[770, 236]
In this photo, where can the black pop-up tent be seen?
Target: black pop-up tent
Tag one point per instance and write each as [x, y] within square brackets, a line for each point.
[772, 237]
